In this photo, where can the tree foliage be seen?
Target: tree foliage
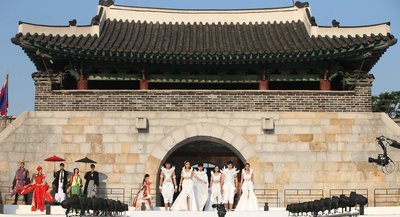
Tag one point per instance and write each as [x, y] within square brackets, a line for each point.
[383, 102]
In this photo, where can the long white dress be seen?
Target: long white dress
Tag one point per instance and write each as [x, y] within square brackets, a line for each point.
[248, 199]
[180, 203]
[229, 184]
[201, 188]
[168, 188]
[216, 195]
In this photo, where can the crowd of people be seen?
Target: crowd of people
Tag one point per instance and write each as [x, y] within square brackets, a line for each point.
[64, 184]
[197, 192]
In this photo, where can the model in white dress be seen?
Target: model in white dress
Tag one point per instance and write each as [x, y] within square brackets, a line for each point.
[248, 199]
[168, 186]
[216, 195]
[186, 201]
[229, 183]
[201, 187]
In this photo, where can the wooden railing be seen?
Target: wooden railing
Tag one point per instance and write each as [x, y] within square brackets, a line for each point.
[387, 197]
[111, 193]
[301, 195]
[269, 196]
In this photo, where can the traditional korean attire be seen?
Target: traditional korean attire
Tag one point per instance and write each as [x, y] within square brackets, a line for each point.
[92, 182]
[180, 203]
[21, 179]
[229, 184]
[143, 196]
[60, 183]
[168, 187]
[40, 191]
[248, 199]
[75, 185]
[201, 188]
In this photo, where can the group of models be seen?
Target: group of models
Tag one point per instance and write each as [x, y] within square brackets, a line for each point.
[64, 185]
[197, 193]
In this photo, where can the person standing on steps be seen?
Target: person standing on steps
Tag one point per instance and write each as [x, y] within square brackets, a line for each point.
[92, 182]
[21, 179]
[229, 184]
[60, 184]
[168, 185]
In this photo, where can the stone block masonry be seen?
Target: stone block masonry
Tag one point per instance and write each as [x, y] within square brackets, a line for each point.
[319, 150]
[357, 100]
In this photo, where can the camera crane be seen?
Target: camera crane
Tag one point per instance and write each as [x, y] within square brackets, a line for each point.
[383, 160]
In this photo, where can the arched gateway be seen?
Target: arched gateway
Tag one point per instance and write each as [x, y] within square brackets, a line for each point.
[199, 143]
[201, 149]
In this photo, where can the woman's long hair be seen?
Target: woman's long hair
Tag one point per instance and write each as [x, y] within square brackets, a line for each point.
[144, 179]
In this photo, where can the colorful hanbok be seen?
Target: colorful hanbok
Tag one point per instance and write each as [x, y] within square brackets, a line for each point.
[40, 190]
[75, 186]
[143, 196]
[20, 180]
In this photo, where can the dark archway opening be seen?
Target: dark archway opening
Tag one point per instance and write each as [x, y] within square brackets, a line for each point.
[200, 149]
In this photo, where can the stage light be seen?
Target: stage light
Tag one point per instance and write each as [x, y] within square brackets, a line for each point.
[360, 200]
[335, 203]
[266, 207]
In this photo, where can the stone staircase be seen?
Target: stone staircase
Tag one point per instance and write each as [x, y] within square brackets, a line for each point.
[397, 121]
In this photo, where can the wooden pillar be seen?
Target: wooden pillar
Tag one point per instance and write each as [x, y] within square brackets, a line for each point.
[144, 84]
[264, 82]
[82, 82]
[324, 84]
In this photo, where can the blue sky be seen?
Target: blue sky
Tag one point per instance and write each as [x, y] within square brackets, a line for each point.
[57, 12]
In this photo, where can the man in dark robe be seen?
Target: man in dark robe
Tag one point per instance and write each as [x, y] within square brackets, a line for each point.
[60, 184]
[92, 182]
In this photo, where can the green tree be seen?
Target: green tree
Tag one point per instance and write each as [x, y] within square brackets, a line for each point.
[383, 102]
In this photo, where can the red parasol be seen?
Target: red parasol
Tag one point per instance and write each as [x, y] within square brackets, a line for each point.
[54, 159]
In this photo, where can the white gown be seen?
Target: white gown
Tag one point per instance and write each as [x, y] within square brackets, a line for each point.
[201, 188]
[180, 203]
[229, 184]
[248, 199]
[215, 196]
[168, 188]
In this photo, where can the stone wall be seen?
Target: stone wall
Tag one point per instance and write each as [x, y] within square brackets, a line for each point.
[358, 100]
[305, 150]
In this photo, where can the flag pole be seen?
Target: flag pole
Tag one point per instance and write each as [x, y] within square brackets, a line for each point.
[5, 115]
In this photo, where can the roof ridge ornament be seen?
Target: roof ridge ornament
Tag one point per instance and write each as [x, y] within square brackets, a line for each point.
[300, 4]
[72, 22]
[106, 3]
[335, 23]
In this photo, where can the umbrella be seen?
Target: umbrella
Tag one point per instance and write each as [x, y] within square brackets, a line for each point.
[54, 159]
[86, 161]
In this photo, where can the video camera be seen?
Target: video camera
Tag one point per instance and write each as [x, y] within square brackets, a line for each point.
[384, 160]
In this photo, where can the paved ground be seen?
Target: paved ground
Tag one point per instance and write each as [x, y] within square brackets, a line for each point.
[24, 211]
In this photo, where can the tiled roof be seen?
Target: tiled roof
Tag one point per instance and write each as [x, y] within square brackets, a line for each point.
[226, 43]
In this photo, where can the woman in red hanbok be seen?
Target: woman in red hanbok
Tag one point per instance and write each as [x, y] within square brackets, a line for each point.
[40, 191]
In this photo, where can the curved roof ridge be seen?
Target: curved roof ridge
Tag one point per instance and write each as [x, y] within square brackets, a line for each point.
[203, 9]
[161, 15]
